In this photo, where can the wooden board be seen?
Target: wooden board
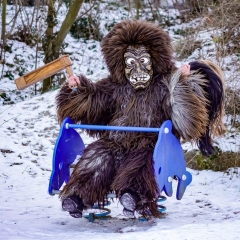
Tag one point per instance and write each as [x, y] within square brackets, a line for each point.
[44, 72]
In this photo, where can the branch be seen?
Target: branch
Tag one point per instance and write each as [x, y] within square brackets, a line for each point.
[67, 23]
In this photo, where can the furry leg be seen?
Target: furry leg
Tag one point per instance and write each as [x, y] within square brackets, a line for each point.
[92, 176]
[136, 174]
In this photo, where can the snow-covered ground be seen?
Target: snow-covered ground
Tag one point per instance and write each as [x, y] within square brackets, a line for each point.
[210, 208]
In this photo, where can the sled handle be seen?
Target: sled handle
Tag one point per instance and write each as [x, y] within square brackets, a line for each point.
[113, 128]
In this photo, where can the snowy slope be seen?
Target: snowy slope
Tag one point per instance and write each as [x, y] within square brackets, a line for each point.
[210, 208]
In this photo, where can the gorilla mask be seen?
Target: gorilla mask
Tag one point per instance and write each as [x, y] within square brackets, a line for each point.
[138, 66]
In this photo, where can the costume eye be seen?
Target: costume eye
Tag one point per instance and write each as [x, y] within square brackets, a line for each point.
[130, 61]
[144, 60]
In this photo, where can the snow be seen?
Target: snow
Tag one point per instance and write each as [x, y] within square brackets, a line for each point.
[209, 209]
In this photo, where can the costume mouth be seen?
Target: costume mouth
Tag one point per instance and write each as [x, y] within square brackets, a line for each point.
[143, 79]
[140, 82]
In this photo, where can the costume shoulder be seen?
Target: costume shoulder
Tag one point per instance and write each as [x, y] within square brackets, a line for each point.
[90, 103]
[197, 104]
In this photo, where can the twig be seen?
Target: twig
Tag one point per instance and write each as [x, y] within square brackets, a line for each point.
[9, 119]
[5, 110]
[25, 169]
[86, 11]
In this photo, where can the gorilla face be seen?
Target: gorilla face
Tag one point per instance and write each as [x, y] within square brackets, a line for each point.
[138, 69]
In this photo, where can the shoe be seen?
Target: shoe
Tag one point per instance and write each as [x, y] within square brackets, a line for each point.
[73, 205]
[128, 213]
[129, 202]
[76, 214]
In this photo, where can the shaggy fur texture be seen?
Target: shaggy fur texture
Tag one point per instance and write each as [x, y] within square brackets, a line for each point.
[216, 124]
[132, 32]
[188, 105]
[93, 174]
[197, 103]
[215, 108]
[122, 161]
[129, 152]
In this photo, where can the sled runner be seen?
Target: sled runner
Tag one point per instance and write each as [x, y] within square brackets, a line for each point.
[169, 162]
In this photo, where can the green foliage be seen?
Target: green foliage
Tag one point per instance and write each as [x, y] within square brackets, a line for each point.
[8, 47]
[6, 98]
[181, 32]
[30, 3]
[10, 65]
[92, 47]
[110, 25]
[220, 161]
[89, 71]
[116, 4]
[216, 39]
[8, 74]
[87, 28]
[20, 65]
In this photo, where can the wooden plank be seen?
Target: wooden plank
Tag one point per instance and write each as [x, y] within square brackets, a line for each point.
[44, 72]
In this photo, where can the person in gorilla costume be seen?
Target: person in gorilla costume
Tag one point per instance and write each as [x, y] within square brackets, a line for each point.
[143, 89]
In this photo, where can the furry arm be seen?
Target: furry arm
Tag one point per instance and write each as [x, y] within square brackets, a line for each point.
[89, 104]
[188, 104]
[197, 103]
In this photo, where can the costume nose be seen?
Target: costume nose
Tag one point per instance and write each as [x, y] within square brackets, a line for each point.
[139, 69]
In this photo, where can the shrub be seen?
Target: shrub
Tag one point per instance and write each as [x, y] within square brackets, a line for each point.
[87, 28]
[221, 161]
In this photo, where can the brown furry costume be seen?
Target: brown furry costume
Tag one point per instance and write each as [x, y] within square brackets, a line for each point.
[121, 161]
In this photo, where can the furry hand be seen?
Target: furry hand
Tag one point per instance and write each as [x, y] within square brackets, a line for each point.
[73, 81]
[185, 69]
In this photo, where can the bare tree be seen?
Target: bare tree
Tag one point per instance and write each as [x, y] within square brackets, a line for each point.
[4, 9]
[53, 41]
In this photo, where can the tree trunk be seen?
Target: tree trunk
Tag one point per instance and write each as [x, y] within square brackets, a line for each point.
[3, 33]
[53, 42]
[67, 23]
[138, 7]
[47, 42]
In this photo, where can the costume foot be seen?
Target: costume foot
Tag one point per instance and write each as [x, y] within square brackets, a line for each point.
[129, 201]
[128, 213]
[73, 205]
[76, 214]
